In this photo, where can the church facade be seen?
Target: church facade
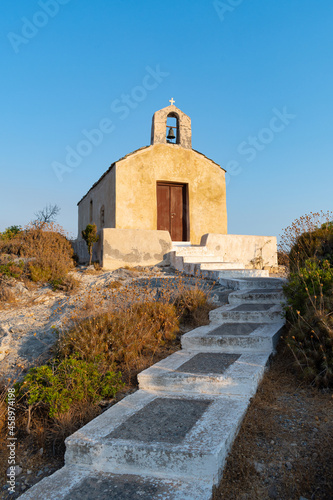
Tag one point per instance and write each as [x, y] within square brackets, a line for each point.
[167, 186]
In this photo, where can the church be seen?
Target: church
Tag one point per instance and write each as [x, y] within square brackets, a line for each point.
[154, 198]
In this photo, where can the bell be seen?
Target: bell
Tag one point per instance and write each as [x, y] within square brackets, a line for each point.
[171, 134]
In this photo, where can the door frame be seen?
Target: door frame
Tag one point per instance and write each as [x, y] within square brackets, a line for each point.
[186, 215]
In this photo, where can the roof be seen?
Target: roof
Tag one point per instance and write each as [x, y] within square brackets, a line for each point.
[132, 153]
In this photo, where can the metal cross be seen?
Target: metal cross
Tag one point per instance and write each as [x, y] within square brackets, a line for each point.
[172, 101]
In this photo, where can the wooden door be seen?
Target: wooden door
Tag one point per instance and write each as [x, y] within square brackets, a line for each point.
[172, 210]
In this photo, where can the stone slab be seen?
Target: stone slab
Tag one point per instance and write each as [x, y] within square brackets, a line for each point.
[162, 420]
[205, 362]
[74, 483]
[200, 454]
[190, 372]
[208, 338]
[253, 307]
[236, 328]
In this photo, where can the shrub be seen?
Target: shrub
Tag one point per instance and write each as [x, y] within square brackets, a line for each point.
[309, 294]
[59, 387]
[51, 252]
[90, 236]
[12, 269]
[317, 244]
[122, 336]
[6, 294]
[311, 340]
[193, 306]
[306, 224]
[10, 233]
[311, 281]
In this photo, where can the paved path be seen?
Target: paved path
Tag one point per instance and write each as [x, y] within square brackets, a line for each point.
[169, 440]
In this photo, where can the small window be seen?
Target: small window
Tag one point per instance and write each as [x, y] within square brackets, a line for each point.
[91, 212]
[102, 221]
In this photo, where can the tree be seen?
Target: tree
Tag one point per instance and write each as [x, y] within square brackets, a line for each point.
[90, 236]
[47, 214]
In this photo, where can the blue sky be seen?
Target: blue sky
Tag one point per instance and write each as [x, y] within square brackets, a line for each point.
[255, 76]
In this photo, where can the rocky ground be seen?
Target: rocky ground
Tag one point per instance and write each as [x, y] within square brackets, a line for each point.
[30, 325]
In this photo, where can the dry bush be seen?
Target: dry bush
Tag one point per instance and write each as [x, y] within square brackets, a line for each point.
[304, 224]
[51, 251]
[6, 294]
[122, 337]
[68, 284]
[192, 306]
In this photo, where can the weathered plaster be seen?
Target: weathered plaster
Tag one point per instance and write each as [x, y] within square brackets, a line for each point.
[133, 247]
[243, 248]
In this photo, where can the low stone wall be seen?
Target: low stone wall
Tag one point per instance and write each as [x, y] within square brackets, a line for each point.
[133, 247]
[253, 251]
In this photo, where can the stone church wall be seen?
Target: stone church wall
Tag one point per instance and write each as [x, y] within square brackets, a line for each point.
[136, 178]
[102, 196]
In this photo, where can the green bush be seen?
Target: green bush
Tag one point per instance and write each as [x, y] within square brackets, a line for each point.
[10, 232]
[312, 280]
[309, 308]
[12, 269]
[59, 387]
[316, 244]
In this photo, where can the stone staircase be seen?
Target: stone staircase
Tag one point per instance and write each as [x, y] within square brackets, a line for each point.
[170, 439]
[196, 259]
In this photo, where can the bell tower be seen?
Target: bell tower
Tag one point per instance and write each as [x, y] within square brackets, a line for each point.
[177, 132]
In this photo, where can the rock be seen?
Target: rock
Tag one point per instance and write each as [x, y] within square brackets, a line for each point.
[17, 469]
[29, 471]
[288, 465]
[259, 467]
[41, 451]
[39, 473]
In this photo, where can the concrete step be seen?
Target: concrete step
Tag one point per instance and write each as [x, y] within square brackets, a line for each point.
[186, 251]
[146, 434]
[199, 259]
[234, 337]
[221, 266]
[256, 296]
[190, 372]
[250, 283]
[223, 276]
[253, 313]
[76, 483]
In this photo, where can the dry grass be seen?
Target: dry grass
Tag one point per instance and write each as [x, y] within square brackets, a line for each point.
[125, 338]
[114, 285]
[6, 293]
[284, 449]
